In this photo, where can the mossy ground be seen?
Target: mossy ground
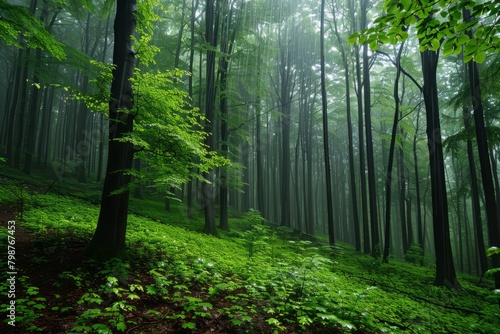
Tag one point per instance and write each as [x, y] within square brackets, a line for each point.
[255, 278]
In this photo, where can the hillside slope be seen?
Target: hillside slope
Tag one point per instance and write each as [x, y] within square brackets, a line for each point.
[254, 279]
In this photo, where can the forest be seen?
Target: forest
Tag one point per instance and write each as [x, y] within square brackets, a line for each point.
[250, 166]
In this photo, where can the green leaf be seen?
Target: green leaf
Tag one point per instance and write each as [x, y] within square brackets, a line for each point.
[492, 251]
[121, 326]
[435, 44]
[480, 57]
[352, 39]
[189, 325]
[463, 39]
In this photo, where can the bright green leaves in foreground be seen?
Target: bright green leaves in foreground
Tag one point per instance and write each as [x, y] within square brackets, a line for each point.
[438, 24]
[168, 134]
[17, 21]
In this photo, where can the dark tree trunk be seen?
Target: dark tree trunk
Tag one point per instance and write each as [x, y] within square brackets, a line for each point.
[445, 268]
[226, 49]
[20, 109]
[361, 143]
[484, 160]
[352, 169]
[179, 36]
[109, 238]
[211, 34]
[326, 150]
[286, 98]
[261, 199]
[388, 179]
[402, 195]
[34, 105]
[420, 229]
[194, 7]
[372, 187]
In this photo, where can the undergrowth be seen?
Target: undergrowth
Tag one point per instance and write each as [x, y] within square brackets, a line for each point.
[254, 279]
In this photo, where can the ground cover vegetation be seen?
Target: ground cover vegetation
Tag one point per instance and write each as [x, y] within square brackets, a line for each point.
[257, 277]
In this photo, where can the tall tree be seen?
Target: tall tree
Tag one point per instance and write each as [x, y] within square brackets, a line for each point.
[445, 268]
[211, 37]
[484, 159]
[388, 179]
[352, 171]
[372, 186]
[109, 236]
[361, 140]
[326, 150]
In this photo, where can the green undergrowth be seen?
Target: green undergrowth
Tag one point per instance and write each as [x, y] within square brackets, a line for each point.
[252, 279]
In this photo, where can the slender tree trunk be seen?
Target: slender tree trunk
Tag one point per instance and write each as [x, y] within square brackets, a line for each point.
[375, 239]
[388, 180]
[261, 199]
[484, 160]
[109, 238]
[352, 169]
[211, 34]
[326, 150]
[223, 69]
[402, 195]
[194, 7]
[420, 229]
[476, 206]
[179, 36]
[361, 143]
[445, 268]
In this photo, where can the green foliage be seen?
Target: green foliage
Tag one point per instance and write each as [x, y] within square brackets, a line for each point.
[16, 21]
[186, 279]
[168, 132]
[147, 17]
[415, 254]
[437, 22]
[492, 251]
[256, 233]
[453, 142]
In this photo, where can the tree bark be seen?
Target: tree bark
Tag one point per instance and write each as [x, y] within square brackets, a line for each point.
[484, 160]
[326, 150]
[388, 179]
[211, 34]
[445, 268]
[372, 186]
[352, 169]
[109, 238]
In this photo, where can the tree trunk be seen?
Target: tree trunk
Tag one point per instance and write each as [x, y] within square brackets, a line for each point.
[109, 238]
[420, 229]
[445, 268]
[211, 34]
[484, 160]
[326, 150]
[375, 239]
[388, 179]
[352, 169]
[361, 143]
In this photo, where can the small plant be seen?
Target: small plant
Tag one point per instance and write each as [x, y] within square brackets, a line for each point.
[415, 254]
[257, 232]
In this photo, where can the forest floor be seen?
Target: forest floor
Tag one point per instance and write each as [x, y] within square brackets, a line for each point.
[45, 260]
[254, 279]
